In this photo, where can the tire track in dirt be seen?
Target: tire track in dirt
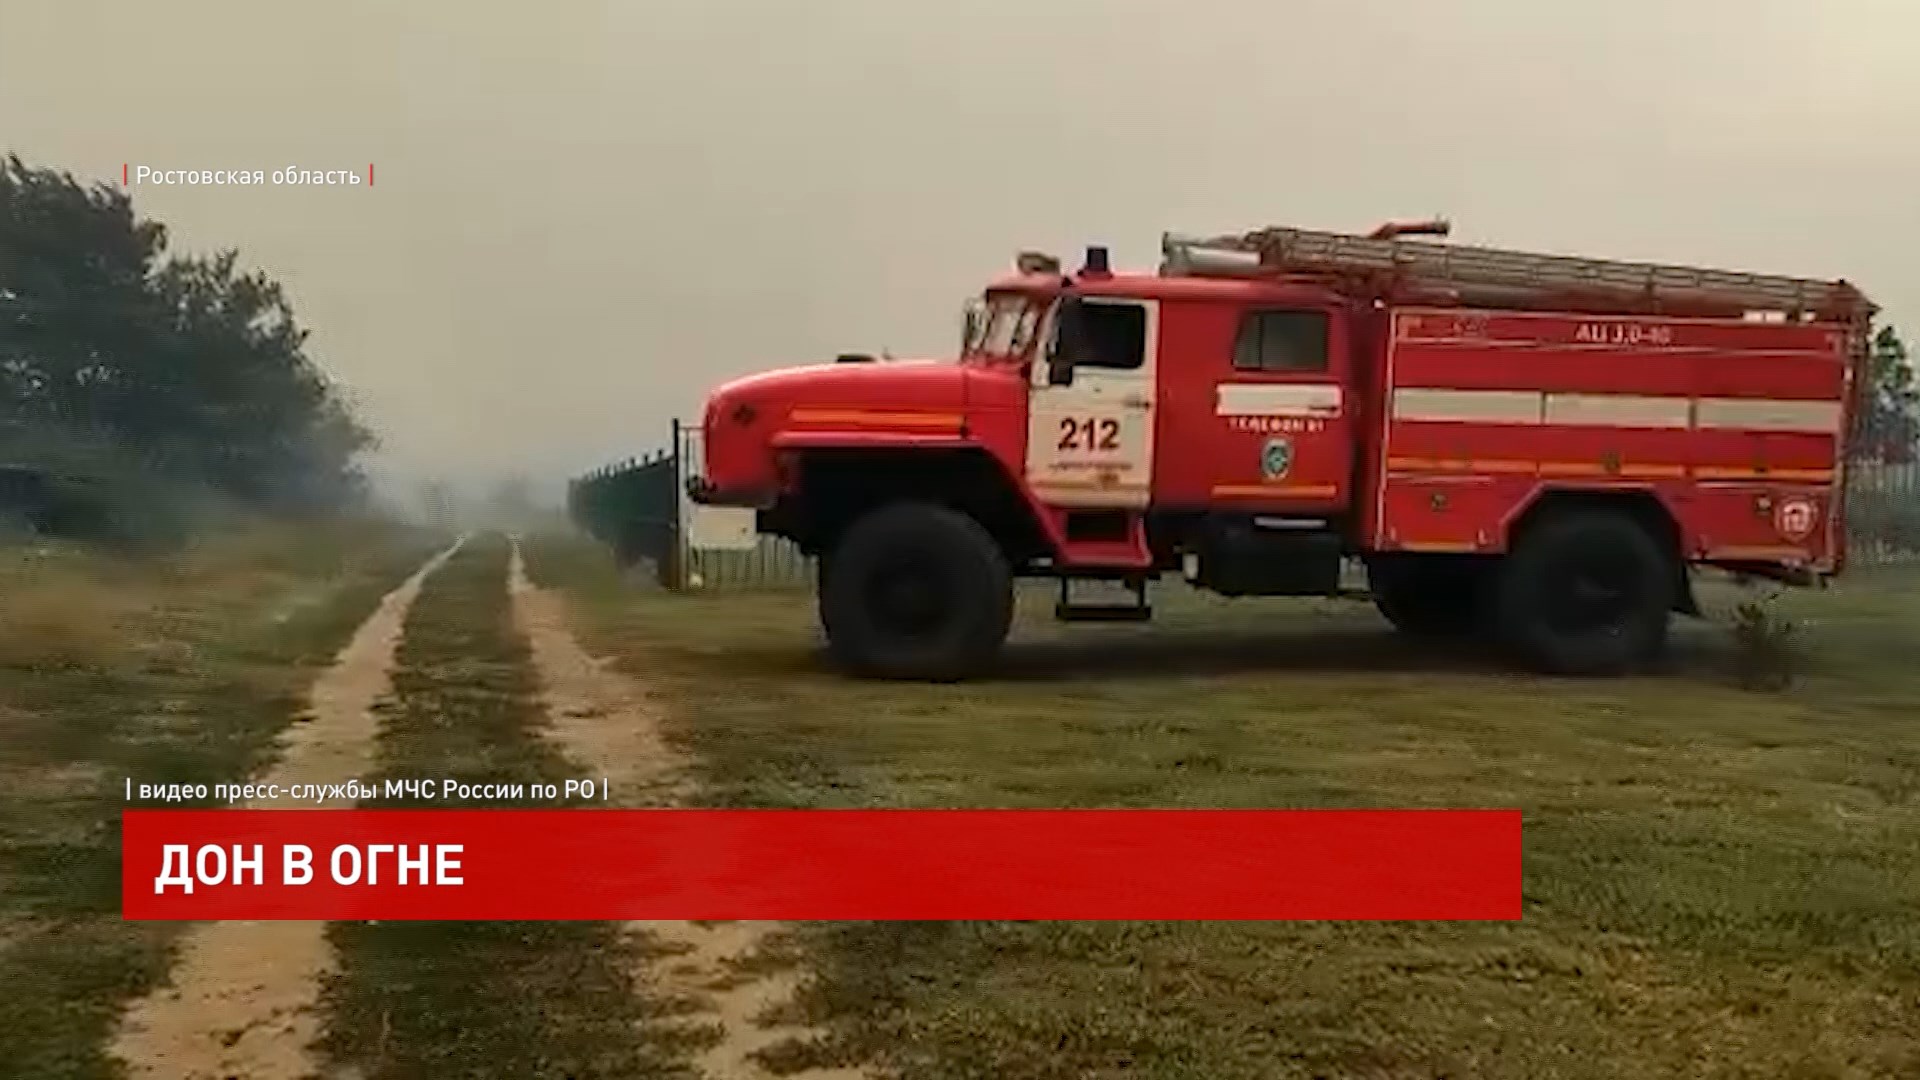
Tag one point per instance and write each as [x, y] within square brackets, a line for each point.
[241, 999]
[610, 724]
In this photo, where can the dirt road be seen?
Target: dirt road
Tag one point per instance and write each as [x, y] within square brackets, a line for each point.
[611, 726]
[241, 999]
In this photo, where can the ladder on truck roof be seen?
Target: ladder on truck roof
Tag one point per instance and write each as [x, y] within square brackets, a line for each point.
[1418, 271]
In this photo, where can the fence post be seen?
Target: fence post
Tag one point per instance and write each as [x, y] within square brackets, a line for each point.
[673, 562]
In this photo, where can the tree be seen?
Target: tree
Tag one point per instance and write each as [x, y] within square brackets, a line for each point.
[74, 271]
[257, 418]
[1890, 406]
[181, 373]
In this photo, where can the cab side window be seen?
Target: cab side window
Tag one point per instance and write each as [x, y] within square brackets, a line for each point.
[1282, 342]
[1116, 336]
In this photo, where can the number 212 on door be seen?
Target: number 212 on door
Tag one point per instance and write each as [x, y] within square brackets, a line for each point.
[1089, 433]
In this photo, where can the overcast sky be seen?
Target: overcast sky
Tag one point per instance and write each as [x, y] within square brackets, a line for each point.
[586, 213]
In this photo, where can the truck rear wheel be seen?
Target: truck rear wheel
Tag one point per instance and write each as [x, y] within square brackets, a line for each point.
[1586, 593]
[916, 591]
[1429, 597]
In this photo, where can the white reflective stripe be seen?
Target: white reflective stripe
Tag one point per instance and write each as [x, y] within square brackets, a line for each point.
[1618, 410]
[1468, 406]
[1277, 399]
[1765, 414]
[1614, 410]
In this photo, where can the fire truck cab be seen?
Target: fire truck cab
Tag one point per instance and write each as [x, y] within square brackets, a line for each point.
[1534, 448]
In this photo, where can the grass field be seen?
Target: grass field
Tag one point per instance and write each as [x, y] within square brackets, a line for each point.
[1718, 882]
[168, 669]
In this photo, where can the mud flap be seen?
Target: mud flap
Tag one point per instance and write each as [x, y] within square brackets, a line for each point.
[1683, 598]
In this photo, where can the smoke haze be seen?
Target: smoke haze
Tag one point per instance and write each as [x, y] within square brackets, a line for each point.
[585, 214]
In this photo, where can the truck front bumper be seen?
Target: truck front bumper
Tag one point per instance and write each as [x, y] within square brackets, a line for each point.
[702, 491]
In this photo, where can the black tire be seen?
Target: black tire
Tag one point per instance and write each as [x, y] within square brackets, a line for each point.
[917, 591]
[1429, 598]
[1586, 593]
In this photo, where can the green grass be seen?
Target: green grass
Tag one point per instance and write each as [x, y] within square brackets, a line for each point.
[179, 668]
[1718, 882]
[495, 999]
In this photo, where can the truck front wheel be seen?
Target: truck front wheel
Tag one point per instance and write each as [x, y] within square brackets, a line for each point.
[1586, 593]
[917, 591]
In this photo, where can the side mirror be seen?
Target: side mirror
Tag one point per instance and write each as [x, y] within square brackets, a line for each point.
[970, 325]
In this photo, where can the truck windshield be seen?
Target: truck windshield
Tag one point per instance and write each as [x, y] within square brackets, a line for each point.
[1003, 327]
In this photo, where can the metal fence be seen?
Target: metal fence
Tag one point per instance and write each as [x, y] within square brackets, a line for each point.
[722, 550]
[1883, 461]
[632, 507]
[1883, 511]
[639, 509]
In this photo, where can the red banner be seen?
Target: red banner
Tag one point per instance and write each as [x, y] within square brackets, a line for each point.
[821, 864]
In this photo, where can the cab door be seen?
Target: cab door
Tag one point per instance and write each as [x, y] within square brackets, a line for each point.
[1090, 440]
[1282, 423]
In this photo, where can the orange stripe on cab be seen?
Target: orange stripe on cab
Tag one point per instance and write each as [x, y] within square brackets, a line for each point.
[883, 418]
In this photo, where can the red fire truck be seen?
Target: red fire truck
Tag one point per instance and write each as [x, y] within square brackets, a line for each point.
[1532, 447]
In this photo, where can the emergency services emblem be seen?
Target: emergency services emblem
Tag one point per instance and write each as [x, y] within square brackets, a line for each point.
[1276, 459]
[1794, 519]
